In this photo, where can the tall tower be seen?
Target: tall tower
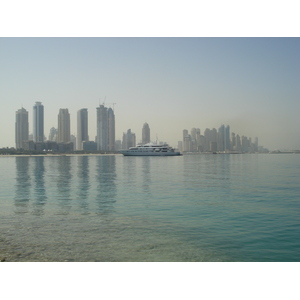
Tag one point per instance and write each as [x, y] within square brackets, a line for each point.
[38, 122]
[102, 128]
[82, 127]
[184, 133]
[233, 141]
[198, 133]
[111, 129]
[63, 135]
[221, 138]
[227, 138]
[105, 129]
[146, 134]
[207, 135]
[129, 139]
[238, 143]
[53, 134]
[21, 127]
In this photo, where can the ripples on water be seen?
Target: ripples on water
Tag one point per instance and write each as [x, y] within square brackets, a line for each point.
[115, 208]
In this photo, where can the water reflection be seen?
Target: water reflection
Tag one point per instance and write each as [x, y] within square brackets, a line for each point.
[208, 174]
[39, 189]
[106, 186]
[63, 183]
[23, 184]
[83, 182]
[129, 170]
[146, 176]
[217, 169]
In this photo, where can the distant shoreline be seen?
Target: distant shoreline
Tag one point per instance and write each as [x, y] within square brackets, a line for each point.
[56, 155]
[119, 154]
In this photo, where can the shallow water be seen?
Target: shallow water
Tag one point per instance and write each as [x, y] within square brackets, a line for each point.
[114, 208]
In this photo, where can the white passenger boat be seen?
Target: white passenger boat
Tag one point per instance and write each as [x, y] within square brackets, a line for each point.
[150, 150]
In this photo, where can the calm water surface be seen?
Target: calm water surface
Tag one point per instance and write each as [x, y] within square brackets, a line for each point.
[115, 208]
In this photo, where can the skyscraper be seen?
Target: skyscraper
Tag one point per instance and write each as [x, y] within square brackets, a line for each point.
[186, 140]
[38, 122]
[102, 128]
[146, 134]
[187, 143]
[63, 135]
[82, 128]
[238, 143]
[221, 138]
[105, 129]
[53, 135]
[111, 129]
[193, 134]
[207, 135]
[198, 134]
[184, 133]
[233, 141]
[227, 138]
[21, 127]
[129, 139]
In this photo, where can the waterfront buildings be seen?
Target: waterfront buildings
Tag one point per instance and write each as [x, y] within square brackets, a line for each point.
[227, 138]
[82, 128]
[21, 126]
[145, 134]
[217, 141]
[191, 142]
[73, 141]
[105, 129]
[111, 129]
[89, 146]
[186, 141]
[180, 146]
[118, 145]
[63, 133]
[102, 128]
[129, 140]
[38, 122]
[53, 135]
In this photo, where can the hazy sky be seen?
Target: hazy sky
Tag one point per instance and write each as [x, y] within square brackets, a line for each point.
[251, 84]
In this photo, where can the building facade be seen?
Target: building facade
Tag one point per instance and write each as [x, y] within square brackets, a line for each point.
[82, 128]
[22, 125]
[102, 128]
[38, 122]
[146, 134]
[105, 129]
[63, 129]
[129, 140]
[53, 135]
[111, 129]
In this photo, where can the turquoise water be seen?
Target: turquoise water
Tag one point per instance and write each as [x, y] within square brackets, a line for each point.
[113, 208]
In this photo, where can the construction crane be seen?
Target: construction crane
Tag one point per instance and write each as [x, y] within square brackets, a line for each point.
[113, 103]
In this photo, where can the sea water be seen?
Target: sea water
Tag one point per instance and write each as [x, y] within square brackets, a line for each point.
[225, 207]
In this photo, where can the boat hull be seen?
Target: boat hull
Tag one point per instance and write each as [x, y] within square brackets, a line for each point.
[125, 153]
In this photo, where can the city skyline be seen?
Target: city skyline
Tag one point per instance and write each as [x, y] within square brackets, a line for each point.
[172, 83]
[211, 140]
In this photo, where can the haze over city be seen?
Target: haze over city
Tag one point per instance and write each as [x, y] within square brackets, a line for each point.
[251, 84]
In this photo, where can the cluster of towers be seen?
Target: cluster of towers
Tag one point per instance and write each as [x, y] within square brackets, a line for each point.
[129, 138]
[22, 126]
[60, 139]
[214, 140]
